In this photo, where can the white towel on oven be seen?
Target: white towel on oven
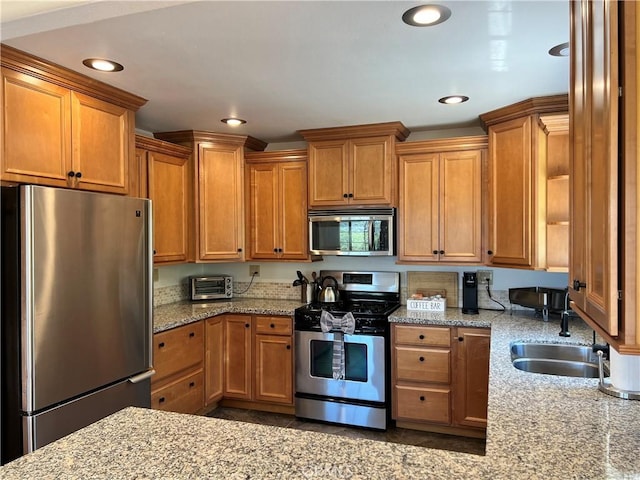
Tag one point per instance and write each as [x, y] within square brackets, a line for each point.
[340, 325]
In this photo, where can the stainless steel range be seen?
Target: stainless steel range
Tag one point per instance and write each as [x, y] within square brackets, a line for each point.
[342, 362]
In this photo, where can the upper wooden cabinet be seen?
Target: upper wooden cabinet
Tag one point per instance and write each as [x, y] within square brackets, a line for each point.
[219, 191]
[353, 165]
[518, 155]
[441, 196]
[166, 177]
[277, 205]
[604, 173]
[62, 129]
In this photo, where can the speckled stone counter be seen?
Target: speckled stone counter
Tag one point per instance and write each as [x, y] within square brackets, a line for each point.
[181, 313]
[540, 427]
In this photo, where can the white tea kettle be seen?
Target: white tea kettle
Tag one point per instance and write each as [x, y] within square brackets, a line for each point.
[329, 293]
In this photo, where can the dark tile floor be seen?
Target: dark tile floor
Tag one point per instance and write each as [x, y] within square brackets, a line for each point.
[394, 435]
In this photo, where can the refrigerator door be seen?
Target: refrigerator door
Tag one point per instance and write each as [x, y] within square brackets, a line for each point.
[86, 292]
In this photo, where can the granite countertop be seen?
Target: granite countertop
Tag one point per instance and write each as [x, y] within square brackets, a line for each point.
[181, 313]
[539, 427]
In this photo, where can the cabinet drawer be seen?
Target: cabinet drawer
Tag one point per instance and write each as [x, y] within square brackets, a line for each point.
[423, 364]
[431, 336]
[177, 349]
[273, 325]
[423, 404]
[185, 395]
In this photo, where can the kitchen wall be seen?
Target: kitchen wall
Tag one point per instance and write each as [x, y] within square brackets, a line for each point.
[276, 278]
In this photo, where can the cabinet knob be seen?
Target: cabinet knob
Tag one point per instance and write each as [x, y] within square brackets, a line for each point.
[345, 195]
[441, 252]
[351, 195]
[161, 344]
[71, 174]
[78, 174]
[192, 384]
[461, 339]
[161, 400]
[489, 252]
[272, 325]
[279, 250]
[288, 347]
[577, 285]
[246, 325]
[421, 337]
[422, 398]
[239, 250]
[275, 250]
[154, 252]
[435, 252]
[192, 334]
[421, 359]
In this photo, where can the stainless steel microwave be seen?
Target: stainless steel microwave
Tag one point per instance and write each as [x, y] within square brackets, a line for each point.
[211, 287]
[357, 232]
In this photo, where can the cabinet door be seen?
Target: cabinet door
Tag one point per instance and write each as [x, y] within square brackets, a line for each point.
[102, 134]
[418, 208]
[328, 173]
[472, 377]
[263, 211]
[461, 207]
[168, 183]
[237, 356]
[220, 191]
[214, 360]
[293, 211]
[274, 369]
[371, 174]
[35, 130]
[594, 213]
[510, 167]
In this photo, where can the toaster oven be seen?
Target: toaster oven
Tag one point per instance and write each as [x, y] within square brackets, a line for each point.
[211, 287]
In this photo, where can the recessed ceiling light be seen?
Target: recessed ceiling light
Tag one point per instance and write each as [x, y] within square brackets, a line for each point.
[453, 99]
[102, 65]
[233, 122]
[561, 50]
[426, 15]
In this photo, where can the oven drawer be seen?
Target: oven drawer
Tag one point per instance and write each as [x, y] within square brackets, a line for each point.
[274, 325]
[423, 404]
[418, 335]
[423, 364]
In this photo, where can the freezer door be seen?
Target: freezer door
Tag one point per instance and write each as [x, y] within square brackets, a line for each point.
[86, 292]
[46, 427]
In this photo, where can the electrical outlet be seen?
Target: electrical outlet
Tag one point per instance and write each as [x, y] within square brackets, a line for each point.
[254, 270]
[484, 277]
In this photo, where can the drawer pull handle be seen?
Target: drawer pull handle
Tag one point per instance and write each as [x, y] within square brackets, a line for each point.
[161, 400]
[192, 384]
[421, 359]
[422, 398]
[421, 337]
[246, 325]
[161, 344]
[192, 334]
[288, 347]
[272, 326]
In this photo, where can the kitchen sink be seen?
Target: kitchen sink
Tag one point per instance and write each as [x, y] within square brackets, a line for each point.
[565, 368]
[553, 351]
[555, 359]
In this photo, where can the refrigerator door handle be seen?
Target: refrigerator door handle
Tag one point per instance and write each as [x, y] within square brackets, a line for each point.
[142, 376]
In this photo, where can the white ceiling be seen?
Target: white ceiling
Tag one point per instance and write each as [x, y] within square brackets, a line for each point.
[286, 66]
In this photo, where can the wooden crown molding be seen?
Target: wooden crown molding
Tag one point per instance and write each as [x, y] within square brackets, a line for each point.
[199, 136]
[276, 156]
[397, 129]
[443, 145]
[531, 106]
[42, 69]
[160, 146]
[554, 123]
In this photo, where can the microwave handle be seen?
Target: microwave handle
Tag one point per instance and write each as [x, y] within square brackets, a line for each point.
[371, 235]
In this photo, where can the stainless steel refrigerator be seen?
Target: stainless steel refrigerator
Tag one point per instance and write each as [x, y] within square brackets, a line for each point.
[77, 303]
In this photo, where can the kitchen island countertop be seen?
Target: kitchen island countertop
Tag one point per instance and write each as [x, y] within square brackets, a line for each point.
[539, 427]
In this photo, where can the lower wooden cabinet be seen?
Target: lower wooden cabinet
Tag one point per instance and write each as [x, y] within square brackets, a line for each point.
[440, 376]
[237, 356]
[214, 360]
[178, 358]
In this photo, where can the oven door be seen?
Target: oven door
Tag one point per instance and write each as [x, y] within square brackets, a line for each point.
[364, 366]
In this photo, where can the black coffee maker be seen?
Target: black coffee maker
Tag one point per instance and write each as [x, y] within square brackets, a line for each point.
[470, 293]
